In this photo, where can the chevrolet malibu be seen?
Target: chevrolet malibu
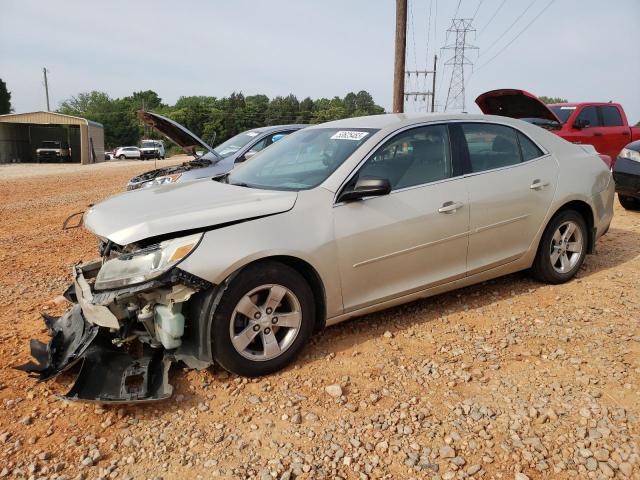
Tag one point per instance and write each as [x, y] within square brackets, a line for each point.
[332, 222]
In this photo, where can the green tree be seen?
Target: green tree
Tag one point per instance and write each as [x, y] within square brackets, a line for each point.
[550, 100]
[5, 99]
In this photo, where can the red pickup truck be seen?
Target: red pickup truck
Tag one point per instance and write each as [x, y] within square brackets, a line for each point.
[603, 125]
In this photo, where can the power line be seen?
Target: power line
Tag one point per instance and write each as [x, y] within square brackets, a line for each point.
[509, 28]
[492, 17]
[476, 12]
[518, 35]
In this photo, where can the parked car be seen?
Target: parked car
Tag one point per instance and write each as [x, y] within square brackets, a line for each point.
[334, 221]
[603, 125]
[626, 173]
[209, 162]
[53, 151]
[127, 152]
[152, 149]
[109, 154]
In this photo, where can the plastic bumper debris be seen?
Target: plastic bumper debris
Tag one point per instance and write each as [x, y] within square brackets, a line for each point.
[108, 373]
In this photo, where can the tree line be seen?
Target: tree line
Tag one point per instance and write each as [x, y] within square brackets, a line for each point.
[208, 116]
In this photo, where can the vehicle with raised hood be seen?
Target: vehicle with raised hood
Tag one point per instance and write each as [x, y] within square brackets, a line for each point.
[208, 162]
[334, 221]
[601, 124]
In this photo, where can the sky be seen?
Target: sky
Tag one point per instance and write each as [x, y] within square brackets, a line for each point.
[582, 50]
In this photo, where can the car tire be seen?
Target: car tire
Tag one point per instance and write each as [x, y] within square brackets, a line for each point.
[121, 157]
[242, 343]
[562, 248]
[629, 203]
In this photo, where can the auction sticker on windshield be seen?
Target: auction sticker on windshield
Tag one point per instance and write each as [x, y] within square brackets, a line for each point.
[349, 135]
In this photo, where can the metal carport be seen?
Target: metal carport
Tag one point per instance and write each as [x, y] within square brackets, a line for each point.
[20, 134]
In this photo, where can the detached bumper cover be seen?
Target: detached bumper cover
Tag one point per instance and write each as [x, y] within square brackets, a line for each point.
[108, 374]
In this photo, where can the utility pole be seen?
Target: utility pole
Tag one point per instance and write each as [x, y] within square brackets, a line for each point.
[455, 96]
[400, 52]
[424, 94]
[46, 87]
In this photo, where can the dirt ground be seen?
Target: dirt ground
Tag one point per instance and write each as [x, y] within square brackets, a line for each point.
[510, 379]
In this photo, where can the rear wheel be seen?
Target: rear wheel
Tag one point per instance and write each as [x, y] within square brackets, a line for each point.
[264, 318]
[122, 157]
[562, 248]
[629, 203]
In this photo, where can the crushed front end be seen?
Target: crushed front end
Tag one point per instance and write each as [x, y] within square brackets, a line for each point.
[127, 324]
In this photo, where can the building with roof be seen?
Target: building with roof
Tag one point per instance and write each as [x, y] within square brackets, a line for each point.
[21, 134]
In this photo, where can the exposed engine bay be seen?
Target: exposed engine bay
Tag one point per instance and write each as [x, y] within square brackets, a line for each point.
[124, 337]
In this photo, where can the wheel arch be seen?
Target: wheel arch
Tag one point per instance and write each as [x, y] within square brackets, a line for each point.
[584, 209]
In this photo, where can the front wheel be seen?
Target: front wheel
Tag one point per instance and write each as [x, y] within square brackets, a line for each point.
[264, 318]
[562, 248]
[629, 203]
[122, 157]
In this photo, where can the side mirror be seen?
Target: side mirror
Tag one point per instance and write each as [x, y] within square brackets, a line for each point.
[366, 187]
[248, 155]
[581, 123]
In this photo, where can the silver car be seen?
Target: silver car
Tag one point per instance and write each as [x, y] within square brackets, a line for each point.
[334, 221]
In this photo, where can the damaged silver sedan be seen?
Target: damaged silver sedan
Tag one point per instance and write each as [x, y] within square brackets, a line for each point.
[334, 221]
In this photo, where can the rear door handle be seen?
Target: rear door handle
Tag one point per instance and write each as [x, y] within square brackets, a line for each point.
[538, 185]
[450, 207]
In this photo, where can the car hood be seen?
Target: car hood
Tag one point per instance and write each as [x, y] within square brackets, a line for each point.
[174, 132]
[513, 103]
[140, 214]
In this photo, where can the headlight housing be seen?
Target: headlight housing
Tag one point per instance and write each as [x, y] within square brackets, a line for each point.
[630, 154]
[163, 180]
[145, 264]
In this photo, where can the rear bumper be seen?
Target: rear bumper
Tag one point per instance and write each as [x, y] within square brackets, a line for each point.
[626, 174]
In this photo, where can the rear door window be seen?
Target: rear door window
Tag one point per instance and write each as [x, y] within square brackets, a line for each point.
[491, 146]
[610, 116]
[590, 114]
[528, 149]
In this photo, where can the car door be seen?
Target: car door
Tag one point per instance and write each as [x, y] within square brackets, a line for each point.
[615, 134]
[511, 184]
[416, 236]
[590, 133]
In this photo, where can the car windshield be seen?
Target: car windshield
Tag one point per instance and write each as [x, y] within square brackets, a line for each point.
[148, 144]
[563, 113]
[234, 144]
[302, 160]
[50, 144]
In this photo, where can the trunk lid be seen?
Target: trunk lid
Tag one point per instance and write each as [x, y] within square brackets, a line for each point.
[175, 132]
[514, 103]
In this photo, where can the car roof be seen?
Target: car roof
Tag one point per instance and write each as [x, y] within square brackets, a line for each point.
[580, 104]
[270, 128]
[396, 120]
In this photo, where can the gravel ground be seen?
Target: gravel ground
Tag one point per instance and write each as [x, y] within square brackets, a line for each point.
[510, 379]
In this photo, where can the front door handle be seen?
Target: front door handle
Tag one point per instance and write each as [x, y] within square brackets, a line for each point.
[450, 207]
[538, 185]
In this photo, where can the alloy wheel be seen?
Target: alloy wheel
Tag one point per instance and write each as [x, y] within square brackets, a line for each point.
[566, 247]
[265, 322]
